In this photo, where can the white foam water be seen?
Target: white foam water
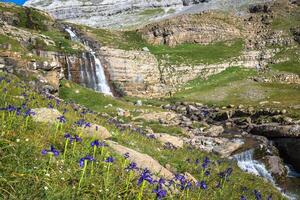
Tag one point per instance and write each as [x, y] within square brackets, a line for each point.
[93, 76]
[246, 162]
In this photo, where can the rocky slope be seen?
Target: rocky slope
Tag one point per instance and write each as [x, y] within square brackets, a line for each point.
[127, 13]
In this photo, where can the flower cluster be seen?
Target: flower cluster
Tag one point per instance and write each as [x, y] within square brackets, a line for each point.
[76, 138]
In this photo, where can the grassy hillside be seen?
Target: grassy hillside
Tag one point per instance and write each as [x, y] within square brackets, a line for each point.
[234, 86]
[27, 172]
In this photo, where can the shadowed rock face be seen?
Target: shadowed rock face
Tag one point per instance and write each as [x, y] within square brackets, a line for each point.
[289, 149]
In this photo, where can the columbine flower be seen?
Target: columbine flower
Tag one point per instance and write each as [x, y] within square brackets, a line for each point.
[269, 197]
[110, 159]
[52, 150]
[145, 176]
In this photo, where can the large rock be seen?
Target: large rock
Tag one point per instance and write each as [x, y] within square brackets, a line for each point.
[158, 117]
[226, 149]
[221, 146]
[46, 115]
[275, 130]
[275, 166]
[142, 160]
[168, 139]
[214, 131]
[95, 131]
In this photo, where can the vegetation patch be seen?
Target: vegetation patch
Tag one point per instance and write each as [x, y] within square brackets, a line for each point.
[192, 54]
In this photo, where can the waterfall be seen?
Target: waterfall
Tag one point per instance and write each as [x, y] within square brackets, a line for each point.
[69, 69]
[246, 162]
[91, 70]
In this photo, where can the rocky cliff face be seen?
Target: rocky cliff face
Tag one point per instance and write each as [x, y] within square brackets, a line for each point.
[202, 28]
[128, 13]
[108, 13]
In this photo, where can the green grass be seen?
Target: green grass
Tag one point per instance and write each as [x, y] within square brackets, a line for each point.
[152, 12]
[233, 86]
[25, 173]
[15, 45]
[285, 20]
[28, 17]
[70, 91]
[189, 54]
[292, 65]
[192, 54]
[62, 44]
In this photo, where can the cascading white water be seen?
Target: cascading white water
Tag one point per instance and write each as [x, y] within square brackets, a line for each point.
[246, 162]
[69, 69]
[92, 75]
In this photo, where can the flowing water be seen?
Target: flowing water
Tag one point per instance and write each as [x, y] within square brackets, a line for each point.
[246, 162]
[91, 70]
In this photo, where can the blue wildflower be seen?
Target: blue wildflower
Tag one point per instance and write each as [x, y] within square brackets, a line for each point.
[62, 119]
[131, 166]
[88, 158]
[257, 195]
[126, 155]
[243, 198]
[29, 113]
[145, 176]
[160, 193]
[110, 159]
[203, 185]
[52, 150]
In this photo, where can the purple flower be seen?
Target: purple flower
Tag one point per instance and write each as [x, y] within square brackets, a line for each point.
[86, 158]
[131, 166]
[160, 193]
[98, 144]
[76, 138]
[29, 113]
[145, 176]
[52, 150]
[207, 173]
[269, 197]
[257, 195]
[205, 163]
[126, 155]
[243, 198]
[203, 185]
[62, 119]
[110, 159]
